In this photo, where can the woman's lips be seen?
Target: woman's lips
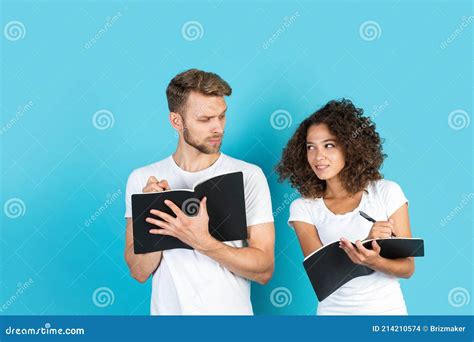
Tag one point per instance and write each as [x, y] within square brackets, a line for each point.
[321, 167]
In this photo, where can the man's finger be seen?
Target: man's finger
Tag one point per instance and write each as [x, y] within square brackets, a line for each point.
[164, 184]
[151, 179]
[178, 212]
[158, 223]
[161, 232]
[156, 187]
[168, 218]
[203, 206]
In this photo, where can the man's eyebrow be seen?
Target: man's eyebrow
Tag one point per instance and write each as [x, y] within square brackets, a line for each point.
[211, 116]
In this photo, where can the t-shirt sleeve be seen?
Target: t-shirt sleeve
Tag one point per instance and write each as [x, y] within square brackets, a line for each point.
[133, 187]
[392, 196]
[299, 211]
[258, 203]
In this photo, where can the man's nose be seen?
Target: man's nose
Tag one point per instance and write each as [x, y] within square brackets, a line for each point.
[218, 127]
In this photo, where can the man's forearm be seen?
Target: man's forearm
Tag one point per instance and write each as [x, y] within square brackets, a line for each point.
[141, 266]
[248, 262]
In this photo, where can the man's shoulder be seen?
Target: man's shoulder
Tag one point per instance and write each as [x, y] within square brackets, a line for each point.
[150, 169]
[240, 165]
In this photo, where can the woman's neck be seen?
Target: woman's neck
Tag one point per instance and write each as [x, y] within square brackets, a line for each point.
[335, 189]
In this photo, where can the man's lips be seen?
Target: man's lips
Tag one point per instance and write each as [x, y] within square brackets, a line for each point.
[215, 140]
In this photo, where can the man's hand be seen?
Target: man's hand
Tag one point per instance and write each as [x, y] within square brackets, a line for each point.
[192, 230]
[381, 230]
[143, 265]
[154, 185]
[361, 255]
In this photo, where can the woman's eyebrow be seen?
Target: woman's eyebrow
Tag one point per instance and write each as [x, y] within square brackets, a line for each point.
[326, 140]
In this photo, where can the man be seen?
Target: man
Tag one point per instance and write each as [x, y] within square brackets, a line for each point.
[213, 278]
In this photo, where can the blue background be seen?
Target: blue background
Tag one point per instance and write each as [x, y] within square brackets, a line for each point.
[63, 169]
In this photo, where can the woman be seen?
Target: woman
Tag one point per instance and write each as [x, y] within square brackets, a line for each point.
[333, 160]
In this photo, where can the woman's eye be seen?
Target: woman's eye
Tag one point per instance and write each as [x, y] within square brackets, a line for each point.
[329, 145]
[309, 147]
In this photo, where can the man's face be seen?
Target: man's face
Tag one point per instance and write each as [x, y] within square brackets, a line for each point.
[204, 122]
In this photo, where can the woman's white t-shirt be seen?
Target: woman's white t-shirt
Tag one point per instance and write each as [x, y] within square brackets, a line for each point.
[375, 294]
[186, 281]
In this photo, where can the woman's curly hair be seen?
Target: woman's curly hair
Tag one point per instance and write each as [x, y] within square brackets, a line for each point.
[362, 148]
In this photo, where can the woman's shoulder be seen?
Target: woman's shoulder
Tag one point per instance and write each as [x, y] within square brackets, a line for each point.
[383, 186]
[306, 203]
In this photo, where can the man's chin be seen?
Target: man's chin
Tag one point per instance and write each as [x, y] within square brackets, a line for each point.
[209, 149]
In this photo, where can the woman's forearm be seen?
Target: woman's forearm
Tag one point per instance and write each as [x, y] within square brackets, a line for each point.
[401, 268]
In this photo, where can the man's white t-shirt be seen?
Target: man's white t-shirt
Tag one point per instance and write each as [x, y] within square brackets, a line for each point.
[377, 293]
[186, 281]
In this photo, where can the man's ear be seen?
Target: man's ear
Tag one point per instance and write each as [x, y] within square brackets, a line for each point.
[176, 121]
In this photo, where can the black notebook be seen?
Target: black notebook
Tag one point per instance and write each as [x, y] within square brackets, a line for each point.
[225, 206]
[329, 267]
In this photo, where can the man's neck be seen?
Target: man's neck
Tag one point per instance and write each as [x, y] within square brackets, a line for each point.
[191, 160]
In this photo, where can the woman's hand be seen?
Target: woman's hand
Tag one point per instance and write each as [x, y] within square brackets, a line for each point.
[361, 255]
[381, 230]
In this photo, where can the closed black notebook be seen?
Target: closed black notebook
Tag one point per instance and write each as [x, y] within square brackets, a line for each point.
[329, 267]
[225, 206]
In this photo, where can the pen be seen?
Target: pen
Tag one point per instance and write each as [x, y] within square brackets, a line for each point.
[368, 218]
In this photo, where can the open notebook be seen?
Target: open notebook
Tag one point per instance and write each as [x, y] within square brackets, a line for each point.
[225, 206]
[329, 267]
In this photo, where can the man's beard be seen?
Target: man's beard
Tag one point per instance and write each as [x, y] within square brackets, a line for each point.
[206, 149]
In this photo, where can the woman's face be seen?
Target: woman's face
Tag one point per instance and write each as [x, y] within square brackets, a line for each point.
[325, 154]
